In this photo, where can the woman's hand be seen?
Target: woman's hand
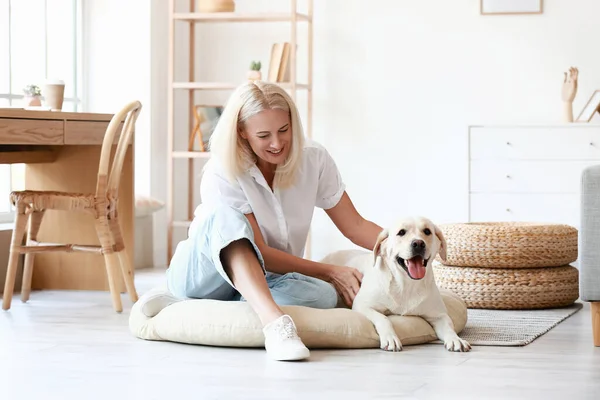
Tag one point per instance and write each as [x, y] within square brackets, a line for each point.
[346, 281]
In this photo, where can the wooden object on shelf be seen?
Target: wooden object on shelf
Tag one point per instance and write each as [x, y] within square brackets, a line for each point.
[196, 132]
[279, 64]
[275, 62]
[216, 6]
[568, 93]
[71, 167]
[228, 86]
[283, 74]
[591, 107]
[194, 16]
[201, 118]
[242, 17]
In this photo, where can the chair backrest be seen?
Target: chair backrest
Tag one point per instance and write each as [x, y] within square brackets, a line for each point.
[108, 182]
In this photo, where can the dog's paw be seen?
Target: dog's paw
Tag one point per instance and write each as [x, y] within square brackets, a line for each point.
[457, 344]
[390, 342]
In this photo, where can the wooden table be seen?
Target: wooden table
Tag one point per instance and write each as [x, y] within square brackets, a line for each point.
[61, 151]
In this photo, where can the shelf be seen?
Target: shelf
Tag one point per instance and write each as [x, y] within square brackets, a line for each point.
[191, 154]
[226, 86]
[239, 17]
[192, 85]
[17, 154]
[182, 224]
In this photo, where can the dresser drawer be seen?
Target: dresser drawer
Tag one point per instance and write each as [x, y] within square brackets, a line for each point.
[535, 143]
[527, 176]
[26, 131]
[551, 208]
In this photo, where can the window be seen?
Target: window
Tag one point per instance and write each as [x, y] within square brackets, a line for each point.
[39, 40]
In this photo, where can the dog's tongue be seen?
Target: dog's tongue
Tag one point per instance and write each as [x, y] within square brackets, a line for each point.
[416, 269]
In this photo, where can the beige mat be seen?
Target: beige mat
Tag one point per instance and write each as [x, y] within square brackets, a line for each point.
[512, 328]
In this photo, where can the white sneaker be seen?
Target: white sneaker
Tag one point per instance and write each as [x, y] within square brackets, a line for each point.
[282, 341]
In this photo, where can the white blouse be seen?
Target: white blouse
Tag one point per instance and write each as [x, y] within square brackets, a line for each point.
[283, 215]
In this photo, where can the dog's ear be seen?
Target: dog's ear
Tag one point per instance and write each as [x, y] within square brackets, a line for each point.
[380, 238]
[443, 244]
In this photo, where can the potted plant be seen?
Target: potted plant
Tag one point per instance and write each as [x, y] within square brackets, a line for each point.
[254, 72]
[33, 96]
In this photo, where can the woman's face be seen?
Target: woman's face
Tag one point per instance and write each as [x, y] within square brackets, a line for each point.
[269, 134]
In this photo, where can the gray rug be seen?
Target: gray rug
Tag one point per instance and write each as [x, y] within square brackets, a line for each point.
[512, 328]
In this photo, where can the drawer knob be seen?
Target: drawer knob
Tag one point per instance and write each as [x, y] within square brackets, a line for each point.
[508, 176]
[591, 143]
[508, 143]
[508, 210]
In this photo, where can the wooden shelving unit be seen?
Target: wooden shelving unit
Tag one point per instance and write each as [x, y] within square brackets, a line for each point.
[228, 86]
[238, 17]
[190, 154]
[293, 18]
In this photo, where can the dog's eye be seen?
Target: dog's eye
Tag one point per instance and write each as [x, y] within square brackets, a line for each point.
[402, 232]
[427, 231]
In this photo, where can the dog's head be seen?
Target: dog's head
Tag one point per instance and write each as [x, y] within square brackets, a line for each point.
[411, 243]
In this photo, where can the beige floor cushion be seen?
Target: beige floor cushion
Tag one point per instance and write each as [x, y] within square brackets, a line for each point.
[159, 316]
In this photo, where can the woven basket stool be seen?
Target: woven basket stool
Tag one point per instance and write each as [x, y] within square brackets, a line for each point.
[510, 288]
[509, 244]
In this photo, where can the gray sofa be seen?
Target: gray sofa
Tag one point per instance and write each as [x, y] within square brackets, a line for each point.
[589, 245]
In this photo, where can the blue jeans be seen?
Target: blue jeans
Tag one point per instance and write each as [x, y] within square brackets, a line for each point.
[196, 270]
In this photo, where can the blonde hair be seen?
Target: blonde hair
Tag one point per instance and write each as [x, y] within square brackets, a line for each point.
[233, 152]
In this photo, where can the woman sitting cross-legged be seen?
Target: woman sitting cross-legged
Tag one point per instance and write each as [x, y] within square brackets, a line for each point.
[259, 191]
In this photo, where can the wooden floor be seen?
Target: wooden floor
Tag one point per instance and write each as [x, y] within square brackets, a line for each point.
[71, 345]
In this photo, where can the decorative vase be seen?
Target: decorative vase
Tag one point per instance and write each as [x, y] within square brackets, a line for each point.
[210, 6]
[32, 101]
[254, 75]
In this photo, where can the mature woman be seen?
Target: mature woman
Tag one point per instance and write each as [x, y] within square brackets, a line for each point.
[259, 191]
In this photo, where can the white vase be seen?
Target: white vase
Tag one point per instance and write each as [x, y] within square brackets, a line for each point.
[253, 75]
[32, 101]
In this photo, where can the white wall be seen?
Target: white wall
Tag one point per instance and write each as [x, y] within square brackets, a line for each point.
[116, 59]
[396, 83]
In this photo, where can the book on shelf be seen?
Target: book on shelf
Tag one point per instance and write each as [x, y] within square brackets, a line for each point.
[279, 65]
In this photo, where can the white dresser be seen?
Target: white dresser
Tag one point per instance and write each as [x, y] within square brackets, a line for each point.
[529, 172]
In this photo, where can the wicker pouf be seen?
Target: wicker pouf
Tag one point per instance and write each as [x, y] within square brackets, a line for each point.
[510, 288]
[510, 244]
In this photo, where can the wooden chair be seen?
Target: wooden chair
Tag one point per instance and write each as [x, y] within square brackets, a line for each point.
[31, 205]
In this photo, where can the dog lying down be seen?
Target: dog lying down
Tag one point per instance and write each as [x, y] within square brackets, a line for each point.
[398, 280]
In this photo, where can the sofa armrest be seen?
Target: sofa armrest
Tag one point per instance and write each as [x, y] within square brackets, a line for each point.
[589, 235]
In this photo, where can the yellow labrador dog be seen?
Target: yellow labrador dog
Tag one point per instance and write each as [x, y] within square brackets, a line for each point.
[398, 280]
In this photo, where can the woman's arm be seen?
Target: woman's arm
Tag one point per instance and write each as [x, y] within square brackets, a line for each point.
[345, 280]
[353, 226]
[281, 262]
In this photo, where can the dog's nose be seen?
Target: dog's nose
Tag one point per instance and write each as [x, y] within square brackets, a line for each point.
[418, 244]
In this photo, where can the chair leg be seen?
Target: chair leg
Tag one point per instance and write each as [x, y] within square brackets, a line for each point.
[35, 220]
[112, 268]
[13, 259]
[111, 262]
[596, 322]
[127, 275]
[126, 270]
